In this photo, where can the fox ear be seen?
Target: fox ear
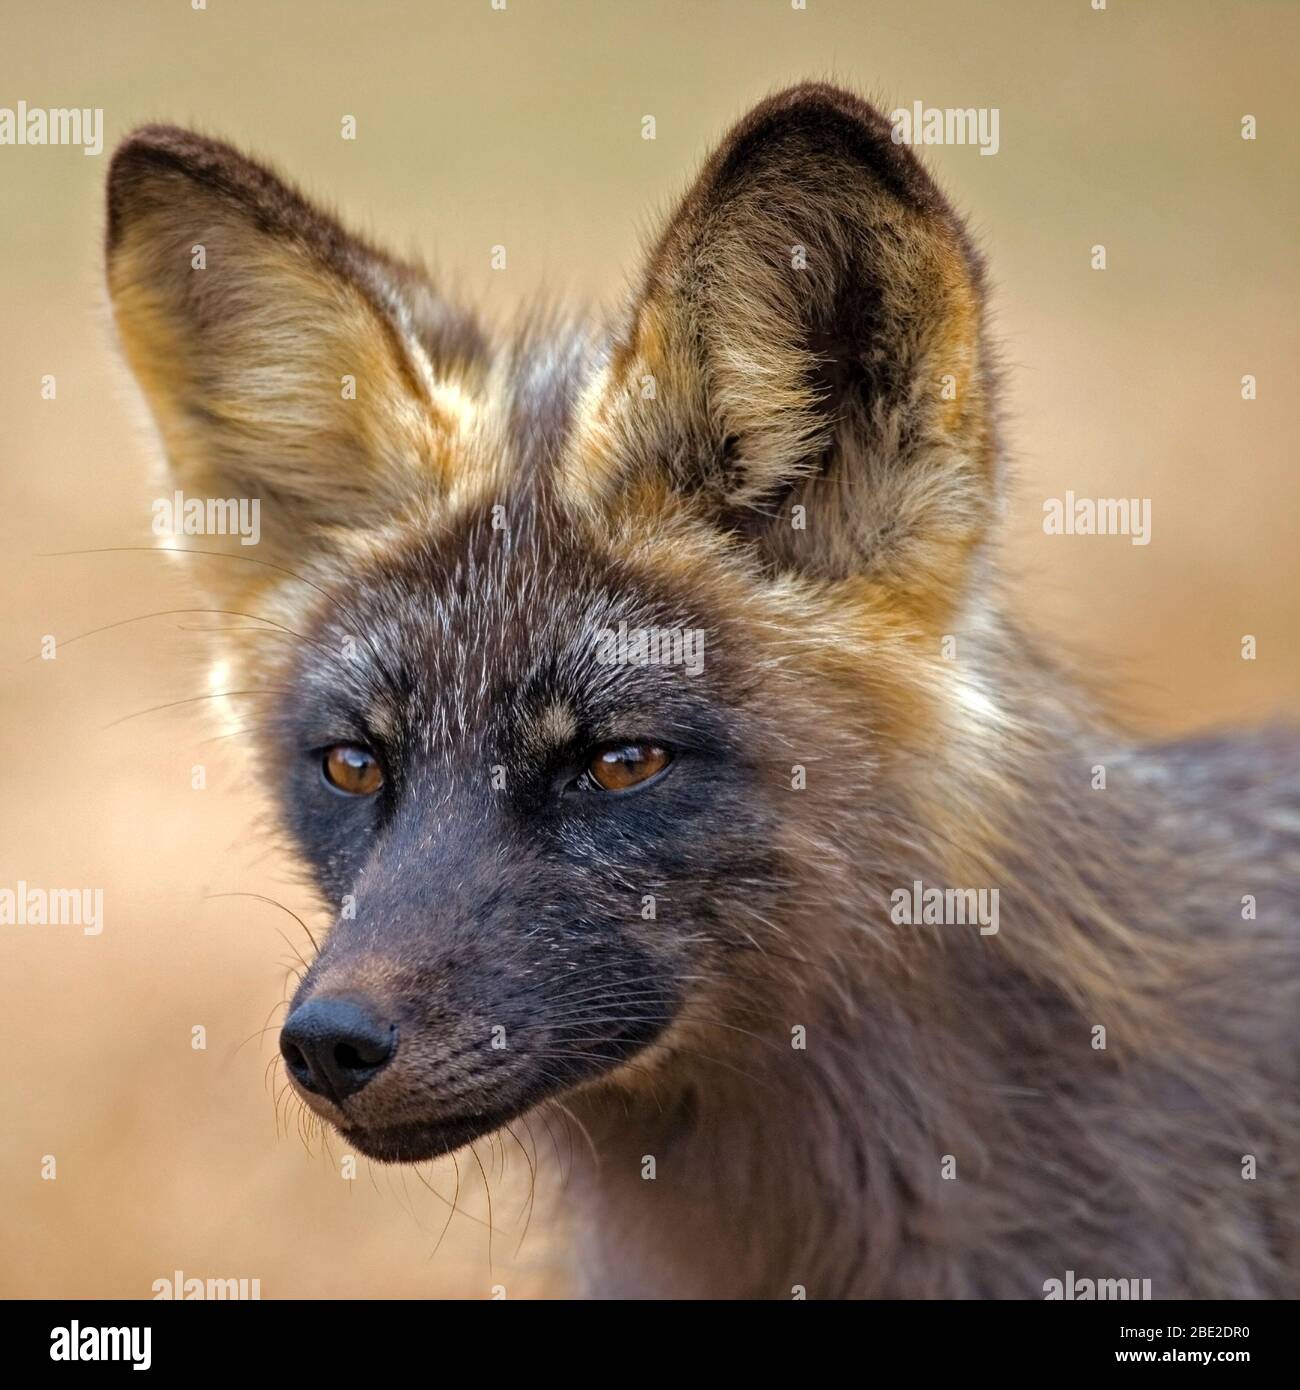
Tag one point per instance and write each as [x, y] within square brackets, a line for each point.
[805, 354]
[282, 358]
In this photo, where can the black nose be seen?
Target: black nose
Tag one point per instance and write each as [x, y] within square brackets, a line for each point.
[334, 1046]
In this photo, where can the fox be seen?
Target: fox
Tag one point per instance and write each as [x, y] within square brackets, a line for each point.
[707, 913]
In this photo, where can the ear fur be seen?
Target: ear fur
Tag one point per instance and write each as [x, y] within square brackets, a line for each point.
[247, 315]
[807, 335]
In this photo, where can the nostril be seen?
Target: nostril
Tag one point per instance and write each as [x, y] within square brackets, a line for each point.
[335, 1046]
[360, 1055]
[296, 1062]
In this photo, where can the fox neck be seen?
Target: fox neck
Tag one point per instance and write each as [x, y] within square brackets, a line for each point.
[813, 1174]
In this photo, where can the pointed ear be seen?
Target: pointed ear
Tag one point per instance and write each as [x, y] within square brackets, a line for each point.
[808, 335]
[283, 359]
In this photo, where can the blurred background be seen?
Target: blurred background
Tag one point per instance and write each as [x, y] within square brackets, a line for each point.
[522, 126]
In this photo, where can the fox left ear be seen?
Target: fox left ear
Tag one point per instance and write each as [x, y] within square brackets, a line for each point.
[805, 356]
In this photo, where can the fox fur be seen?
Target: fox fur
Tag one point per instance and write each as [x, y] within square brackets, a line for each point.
[790, 442]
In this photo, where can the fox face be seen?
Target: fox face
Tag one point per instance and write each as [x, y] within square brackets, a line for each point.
[544, 854]
[605, 661]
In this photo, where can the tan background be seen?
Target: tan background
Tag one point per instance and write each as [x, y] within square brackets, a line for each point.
[523, 127]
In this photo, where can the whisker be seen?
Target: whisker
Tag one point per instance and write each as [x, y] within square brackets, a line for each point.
[487, 1191]
[213, 554]
[262, 898]
[193, 699]
[171, 613]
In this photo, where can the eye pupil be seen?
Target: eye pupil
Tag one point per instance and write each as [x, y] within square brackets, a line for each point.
[618, 769]
[352, 769]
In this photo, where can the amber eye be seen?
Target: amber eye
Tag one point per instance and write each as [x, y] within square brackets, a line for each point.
[352, 769]
[619, 769]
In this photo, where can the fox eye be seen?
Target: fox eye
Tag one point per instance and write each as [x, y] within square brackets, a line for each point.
[619, 769]
[351, 769]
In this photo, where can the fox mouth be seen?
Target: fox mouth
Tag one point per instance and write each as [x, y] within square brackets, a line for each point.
[358, 1115]
[418, 1141]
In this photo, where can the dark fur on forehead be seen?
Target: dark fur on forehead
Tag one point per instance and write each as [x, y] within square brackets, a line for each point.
[469, 628]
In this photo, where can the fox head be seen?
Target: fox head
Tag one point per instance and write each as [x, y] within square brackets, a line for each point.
[606, 665]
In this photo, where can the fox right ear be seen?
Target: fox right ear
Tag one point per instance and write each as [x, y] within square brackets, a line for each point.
[282, 358]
